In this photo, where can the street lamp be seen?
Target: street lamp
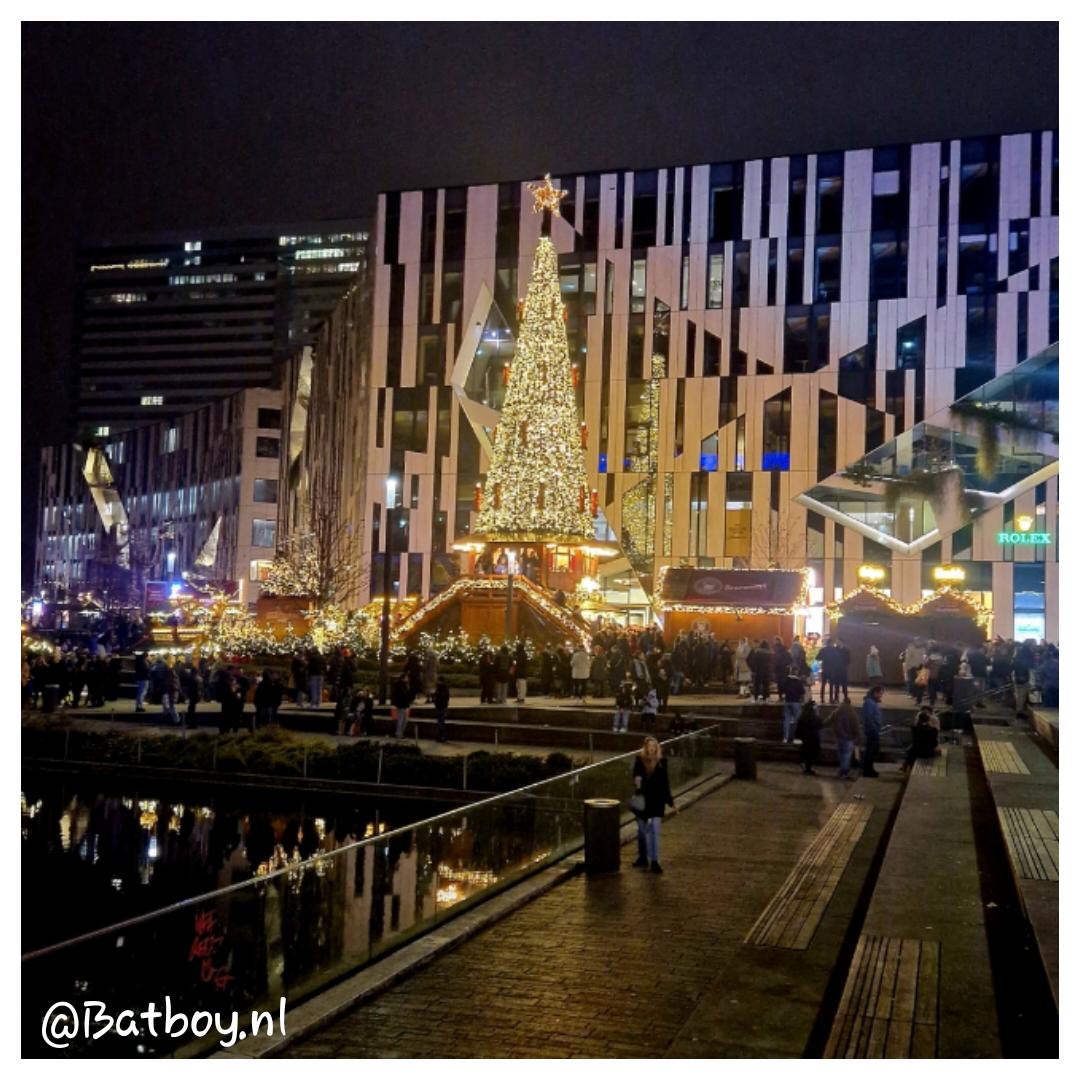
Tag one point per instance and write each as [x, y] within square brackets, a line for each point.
[384, 629]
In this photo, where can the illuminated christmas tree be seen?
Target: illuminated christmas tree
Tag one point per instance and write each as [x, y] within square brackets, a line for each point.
[536, 487]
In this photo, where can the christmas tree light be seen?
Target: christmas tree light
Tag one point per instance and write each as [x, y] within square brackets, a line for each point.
[536, 487]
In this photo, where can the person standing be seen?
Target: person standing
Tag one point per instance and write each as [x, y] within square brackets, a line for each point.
[624, 702]
[266, 702]
[487, 677]
[808, 730]
[193, 687]
[913, 658]
[431, 673]
[760, 665]
[827, 659]
[300, 679]
[792, 691]
[232, 703]
[872, 729]
[845, 725]
[580, 668]
[842, 665]
[402, 698]
[873, 665]
[521, 672]
[316, 668]
[502, 674]
[1022, 664]
[547, 670]
[441, 698]
[650, 778]
[743, 675]
[170, 694]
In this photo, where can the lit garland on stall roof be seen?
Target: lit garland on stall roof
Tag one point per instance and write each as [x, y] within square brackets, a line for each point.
[982, 615]
[705, 609]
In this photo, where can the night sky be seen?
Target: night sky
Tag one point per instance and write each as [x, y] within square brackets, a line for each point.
[133, 128]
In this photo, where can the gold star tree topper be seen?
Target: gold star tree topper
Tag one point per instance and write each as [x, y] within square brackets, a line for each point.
[547, 196]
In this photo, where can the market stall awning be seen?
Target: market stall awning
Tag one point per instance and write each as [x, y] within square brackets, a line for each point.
[699, 588]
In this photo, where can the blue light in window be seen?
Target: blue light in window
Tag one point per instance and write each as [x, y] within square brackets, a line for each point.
[776, 460]
[709, 462]
[602, 463]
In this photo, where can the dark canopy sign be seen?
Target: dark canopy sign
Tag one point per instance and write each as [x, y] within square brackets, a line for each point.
[780, 589]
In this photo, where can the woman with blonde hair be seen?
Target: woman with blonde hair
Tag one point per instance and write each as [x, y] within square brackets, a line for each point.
[652, 793]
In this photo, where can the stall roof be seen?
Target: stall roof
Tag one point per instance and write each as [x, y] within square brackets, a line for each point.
[735, 590]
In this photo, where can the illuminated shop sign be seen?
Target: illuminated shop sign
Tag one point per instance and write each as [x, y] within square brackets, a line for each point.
[1032, 539]
[949, 575]
[871, 574]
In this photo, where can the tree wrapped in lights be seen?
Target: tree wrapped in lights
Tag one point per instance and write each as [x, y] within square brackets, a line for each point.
[319, 561]
[536, 487]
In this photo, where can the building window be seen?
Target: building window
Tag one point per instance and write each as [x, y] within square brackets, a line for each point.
[637, 286]
[169, 440]
[270, 418]
[776, 432]
[888, 265]
[267, 447]
[830, 193]
[152, 399]
[263, 533]
[259, 569]
[827, 428]
[715, 297]
[827, 269]
[265, 490]
[102, 431]
[806, 338]
[740, 274]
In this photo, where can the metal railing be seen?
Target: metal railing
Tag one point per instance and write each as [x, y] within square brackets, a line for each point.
[298, 926]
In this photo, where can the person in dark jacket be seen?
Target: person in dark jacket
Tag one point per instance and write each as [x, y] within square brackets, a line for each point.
[872, 729]
[170, 695]
[487, 677]
[826, 657]
[300, 679]
[760, 661]
[547, 670]
[781, 661]
[194, 689]
[842, 665]
[112, 678]
[232, 703]
[401, 697]
[808, 730]
[650, 778]
[267, 701]
[845, 725]
[1023, 662]
[1048, 678]
[441, 698]
[924, 738]
[792, 691]
[316, 669]
[521, 672]
[502, 674]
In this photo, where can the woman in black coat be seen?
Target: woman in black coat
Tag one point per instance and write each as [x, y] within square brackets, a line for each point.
[808, 729]
[651, 783]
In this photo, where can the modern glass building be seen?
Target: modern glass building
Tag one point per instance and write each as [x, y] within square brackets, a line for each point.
[745, 334]
[168, 323]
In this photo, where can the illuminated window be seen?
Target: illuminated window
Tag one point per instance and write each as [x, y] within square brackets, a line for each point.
[102, 431]
[151, 399]
[259, 569]
[263, 533]
[193, 245]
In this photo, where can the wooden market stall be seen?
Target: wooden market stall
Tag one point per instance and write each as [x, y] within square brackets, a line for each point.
[757, 604]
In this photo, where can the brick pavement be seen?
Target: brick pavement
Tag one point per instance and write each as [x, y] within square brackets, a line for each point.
[636, 964]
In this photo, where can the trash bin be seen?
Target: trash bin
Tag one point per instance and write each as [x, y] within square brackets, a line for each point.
[745, 758]
[50, 697]
[601, 836]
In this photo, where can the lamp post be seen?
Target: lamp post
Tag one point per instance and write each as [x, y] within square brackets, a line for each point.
[384, 628]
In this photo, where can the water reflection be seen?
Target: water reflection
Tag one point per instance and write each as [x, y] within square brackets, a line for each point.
[92, 857]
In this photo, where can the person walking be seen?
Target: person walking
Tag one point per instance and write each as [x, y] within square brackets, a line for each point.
[580, 668]
[650, 777]
[808, 730]
[441, 698]
[845, 725]
[401, 697]
[872, 729]
[873, 665]
[792, 691]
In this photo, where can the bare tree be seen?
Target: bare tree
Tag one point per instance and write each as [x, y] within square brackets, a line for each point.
[778, 542]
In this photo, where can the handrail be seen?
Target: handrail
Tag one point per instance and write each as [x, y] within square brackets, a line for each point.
[381, 838]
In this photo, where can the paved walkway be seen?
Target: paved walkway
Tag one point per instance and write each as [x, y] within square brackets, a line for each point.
[636, 964]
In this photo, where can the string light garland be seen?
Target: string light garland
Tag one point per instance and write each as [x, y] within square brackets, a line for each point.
[538, 442]
[546, 196]
[982, 615]
[737, 609]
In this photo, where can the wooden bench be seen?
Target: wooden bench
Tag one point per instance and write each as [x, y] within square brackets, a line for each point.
[1032, 838]
[890, 1004]
[793, 914]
